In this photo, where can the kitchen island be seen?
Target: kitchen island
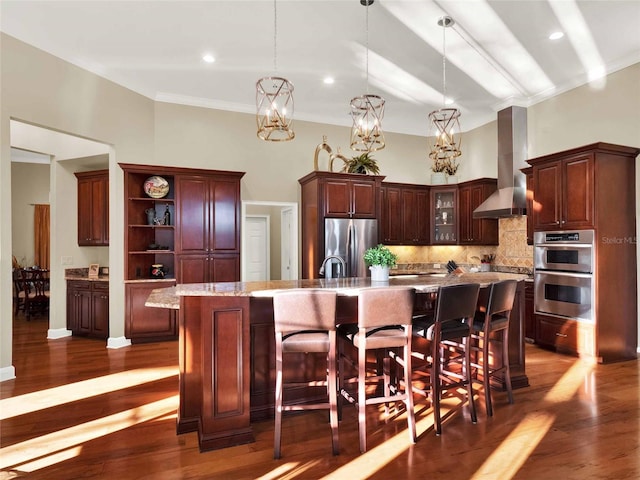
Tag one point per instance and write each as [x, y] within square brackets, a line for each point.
[227, 345]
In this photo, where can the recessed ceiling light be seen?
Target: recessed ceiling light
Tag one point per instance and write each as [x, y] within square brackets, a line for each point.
[208, 58]
[556, 36]
[329, 80]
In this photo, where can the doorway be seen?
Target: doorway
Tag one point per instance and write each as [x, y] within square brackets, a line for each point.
[282, 230]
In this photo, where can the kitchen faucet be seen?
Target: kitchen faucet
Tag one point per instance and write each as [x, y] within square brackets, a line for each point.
[329, 259]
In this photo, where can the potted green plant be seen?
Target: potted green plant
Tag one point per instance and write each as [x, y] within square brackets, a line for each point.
[364, 163]
[380, 259]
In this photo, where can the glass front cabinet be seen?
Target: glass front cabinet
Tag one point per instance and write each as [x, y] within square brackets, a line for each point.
[444, 216]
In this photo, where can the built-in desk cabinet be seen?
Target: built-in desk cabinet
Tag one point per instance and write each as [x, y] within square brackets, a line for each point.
[88, 308]
[93, 208]
[476, 231]
[404, 218]
[200, 243]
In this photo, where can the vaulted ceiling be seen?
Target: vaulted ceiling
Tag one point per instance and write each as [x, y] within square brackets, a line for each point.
[498, 53]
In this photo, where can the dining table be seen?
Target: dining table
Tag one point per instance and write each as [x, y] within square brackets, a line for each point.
[226, 345]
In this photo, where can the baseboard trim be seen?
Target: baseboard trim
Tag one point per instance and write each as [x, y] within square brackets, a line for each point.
[7, 373]
[56, 333]
[118, 342]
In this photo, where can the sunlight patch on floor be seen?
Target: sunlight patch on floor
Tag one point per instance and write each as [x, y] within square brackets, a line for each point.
[288, 471]
[51, 397]
[513, 452]
[22, 455]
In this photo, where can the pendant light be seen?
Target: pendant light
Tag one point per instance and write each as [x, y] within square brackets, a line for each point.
[444, 126]
[274, 100]
[367, 111]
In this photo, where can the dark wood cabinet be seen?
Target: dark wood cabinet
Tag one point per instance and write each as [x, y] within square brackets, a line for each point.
[528, 172]
[593, 187]
[333, 195]
[444, 216]
[93, 208]
[350, 198]
[208, 237]
[146, 324]
[200, 243]
[529, 317]
[88, 308]
[564, 192]
[405, 214]
[475, 231]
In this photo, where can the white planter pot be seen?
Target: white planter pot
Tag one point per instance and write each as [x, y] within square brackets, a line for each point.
[379, 273]
[452, 179]
[438, 178]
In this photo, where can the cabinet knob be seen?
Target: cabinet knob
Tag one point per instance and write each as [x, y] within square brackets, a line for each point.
[561, 335]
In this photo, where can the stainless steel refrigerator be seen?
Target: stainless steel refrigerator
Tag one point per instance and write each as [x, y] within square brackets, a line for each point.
[349, 239]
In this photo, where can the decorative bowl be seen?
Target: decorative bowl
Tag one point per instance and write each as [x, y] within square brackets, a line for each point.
[156, 187]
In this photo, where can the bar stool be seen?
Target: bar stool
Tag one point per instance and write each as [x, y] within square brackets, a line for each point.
[494, 317]
[384, 325]
[305, 322]
[447, 361]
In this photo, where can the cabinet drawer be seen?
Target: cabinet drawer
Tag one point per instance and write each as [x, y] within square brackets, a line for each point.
[101, 286]
[78, 285]
[558, 333]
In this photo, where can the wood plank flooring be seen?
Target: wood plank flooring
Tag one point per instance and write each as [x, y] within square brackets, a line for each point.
[80, 411]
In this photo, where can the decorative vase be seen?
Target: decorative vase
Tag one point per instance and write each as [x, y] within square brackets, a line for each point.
[452, 179]
[379, 273]
[438, 178]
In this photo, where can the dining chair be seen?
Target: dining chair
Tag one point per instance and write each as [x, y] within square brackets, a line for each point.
[445, 361]
[19, 293]
[305, 322]
[384, 326]
[490, 319]
[35, 283]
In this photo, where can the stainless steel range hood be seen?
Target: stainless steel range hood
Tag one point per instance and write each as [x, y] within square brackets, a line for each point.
[510, 198]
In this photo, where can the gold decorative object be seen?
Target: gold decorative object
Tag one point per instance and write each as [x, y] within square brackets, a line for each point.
[274, 100]
[444, 126]
[323, 146]
[339, 156]
[367, 111]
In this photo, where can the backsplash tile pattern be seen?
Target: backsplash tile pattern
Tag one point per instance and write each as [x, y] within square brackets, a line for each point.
[512, 252]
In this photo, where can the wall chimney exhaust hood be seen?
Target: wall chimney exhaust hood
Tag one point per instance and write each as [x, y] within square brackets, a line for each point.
[510, 198]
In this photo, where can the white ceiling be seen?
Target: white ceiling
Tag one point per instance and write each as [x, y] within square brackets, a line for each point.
[498, 53]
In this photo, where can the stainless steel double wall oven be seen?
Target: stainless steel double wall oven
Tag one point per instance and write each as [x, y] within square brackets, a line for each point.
[564, 272]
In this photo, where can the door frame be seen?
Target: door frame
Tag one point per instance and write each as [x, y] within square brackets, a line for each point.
[295, 240]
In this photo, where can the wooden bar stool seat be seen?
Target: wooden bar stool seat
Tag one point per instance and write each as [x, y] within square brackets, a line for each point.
[445, 366]
[490, 319]
[384, 325]
[305, 322]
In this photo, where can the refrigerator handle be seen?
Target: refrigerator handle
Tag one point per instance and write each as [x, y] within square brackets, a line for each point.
[348, 250]
[352, 250]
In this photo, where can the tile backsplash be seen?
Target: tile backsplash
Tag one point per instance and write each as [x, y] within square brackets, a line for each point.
[512, 251]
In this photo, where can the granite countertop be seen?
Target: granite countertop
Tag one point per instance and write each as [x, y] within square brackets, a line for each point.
[170, 297]
[99, 278]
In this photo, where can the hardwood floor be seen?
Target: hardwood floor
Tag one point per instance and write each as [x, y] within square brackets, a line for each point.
[79, 410]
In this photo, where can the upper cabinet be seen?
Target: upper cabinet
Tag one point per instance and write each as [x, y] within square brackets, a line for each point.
[528, 172]
[333, 195]
[405, 214]
[444, 215]
[475, 231]
[93, 208]
[564, 192]
[350, 196]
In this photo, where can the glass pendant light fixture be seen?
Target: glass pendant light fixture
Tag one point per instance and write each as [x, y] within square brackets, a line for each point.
[444, 126]
[367, 111]
[274, 100]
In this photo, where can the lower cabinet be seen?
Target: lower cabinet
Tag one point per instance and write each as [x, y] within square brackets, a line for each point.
[565, 335]
[529, 317]
[147, 324]
[208, 268]
[88, 308]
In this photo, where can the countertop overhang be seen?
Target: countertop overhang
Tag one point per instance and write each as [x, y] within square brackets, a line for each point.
[170, 297]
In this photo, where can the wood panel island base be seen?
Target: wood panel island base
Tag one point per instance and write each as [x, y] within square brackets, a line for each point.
[227, 346]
